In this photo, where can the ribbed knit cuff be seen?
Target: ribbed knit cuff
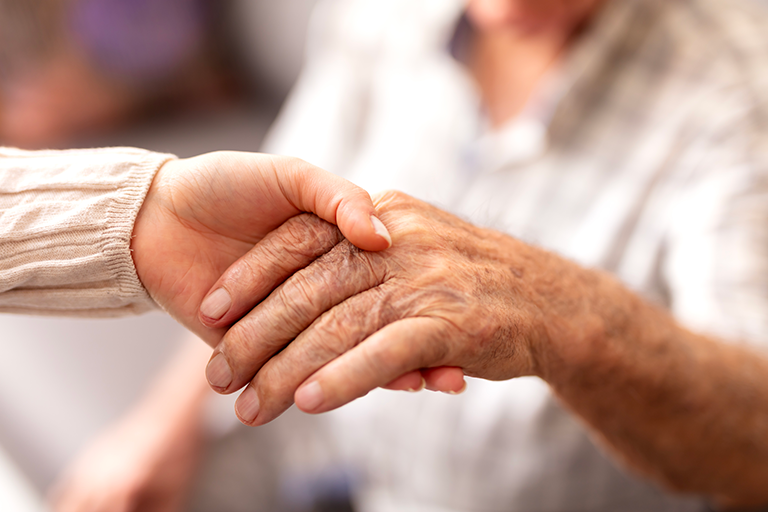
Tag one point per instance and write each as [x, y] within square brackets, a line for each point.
[66, 227]
[121, 217]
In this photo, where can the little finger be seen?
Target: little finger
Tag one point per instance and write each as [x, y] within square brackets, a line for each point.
[397, 349]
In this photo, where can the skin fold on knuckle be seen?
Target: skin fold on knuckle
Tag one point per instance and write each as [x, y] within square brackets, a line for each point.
[294, 305]
[351, 199]
[331, 335]
[309, 293]
[348, 268]
[394, 204]
[275, 388]
[246, 350]
[352, 378]
[346, 326]
[390, 199]
[294, 245]
[307, 236]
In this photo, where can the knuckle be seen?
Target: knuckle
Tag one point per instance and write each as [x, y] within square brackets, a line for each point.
[240, 343]
[297, 298]
[351, 194]
[305, 225]
[270, 382]
[288, 163]
[348, 324]
[346, 260]
[334, 333]
[295, 162]
[306, 237]
[391, 198]
[326, 347]
[251, 268]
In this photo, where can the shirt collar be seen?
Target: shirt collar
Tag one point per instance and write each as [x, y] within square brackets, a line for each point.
[526, 137]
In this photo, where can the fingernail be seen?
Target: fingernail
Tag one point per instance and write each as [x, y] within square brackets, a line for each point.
[218, 372]
[463, 389]
[421, 386]
[381, 230]
[247, 406]
[216, 304]
[309, 397]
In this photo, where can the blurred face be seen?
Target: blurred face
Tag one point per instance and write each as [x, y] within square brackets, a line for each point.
[529, 15]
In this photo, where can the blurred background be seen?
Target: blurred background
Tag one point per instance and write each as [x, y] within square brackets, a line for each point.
[179, 76]
[182, 76]
[176, 75]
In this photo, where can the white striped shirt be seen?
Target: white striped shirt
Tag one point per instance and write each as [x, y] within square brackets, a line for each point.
[645, 153]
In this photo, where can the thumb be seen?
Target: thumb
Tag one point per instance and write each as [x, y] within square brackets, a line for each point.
[335, 200]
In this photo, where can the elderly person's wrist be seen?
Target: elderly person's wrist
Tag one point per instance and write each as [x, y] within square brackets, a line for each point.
[585, 312]
[559, 296]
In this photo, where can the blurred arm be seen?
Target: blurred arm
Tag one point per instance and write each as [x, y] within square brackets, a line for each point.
[16, 493]
[146, 460]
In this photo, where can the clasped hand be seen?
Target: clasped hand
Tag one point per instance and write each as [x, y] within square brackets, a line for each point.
[446, 295]
[202, 214]
[296, 312]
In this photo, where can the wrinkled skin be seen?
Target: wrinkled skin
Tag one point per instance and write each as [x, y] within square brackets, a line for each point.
[448, 294]
[445, 294]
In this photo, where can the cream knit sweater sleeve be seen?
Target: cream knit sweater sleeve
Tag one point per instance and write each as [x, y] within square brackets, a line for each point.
[66, 219]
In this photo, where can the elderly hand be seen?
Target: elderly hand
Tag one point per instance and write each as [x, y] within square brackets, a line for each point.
[203, 213]
[446, 294]
[450, 294]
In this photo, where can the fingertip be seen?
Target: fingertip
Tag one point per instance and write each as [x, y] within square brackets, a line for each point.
[309, 397]
[381, 231]
[365, 231]
[359, 223]
[413, 382]
[460, 391]
[219, 373]
[214, 307]
[445, 379]
[247, 406]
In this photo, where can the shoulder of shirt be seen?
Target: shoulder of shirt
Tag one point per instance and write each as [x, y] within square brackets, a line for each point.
[719, 53]
[727, 37]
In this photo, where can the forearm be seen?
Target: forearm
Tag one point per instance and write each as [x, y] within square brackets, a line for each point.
[684, 409]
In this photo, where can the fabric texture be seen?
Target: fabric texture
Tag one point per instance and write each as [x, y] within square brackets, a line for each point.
[66, 220]
[644, 153]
